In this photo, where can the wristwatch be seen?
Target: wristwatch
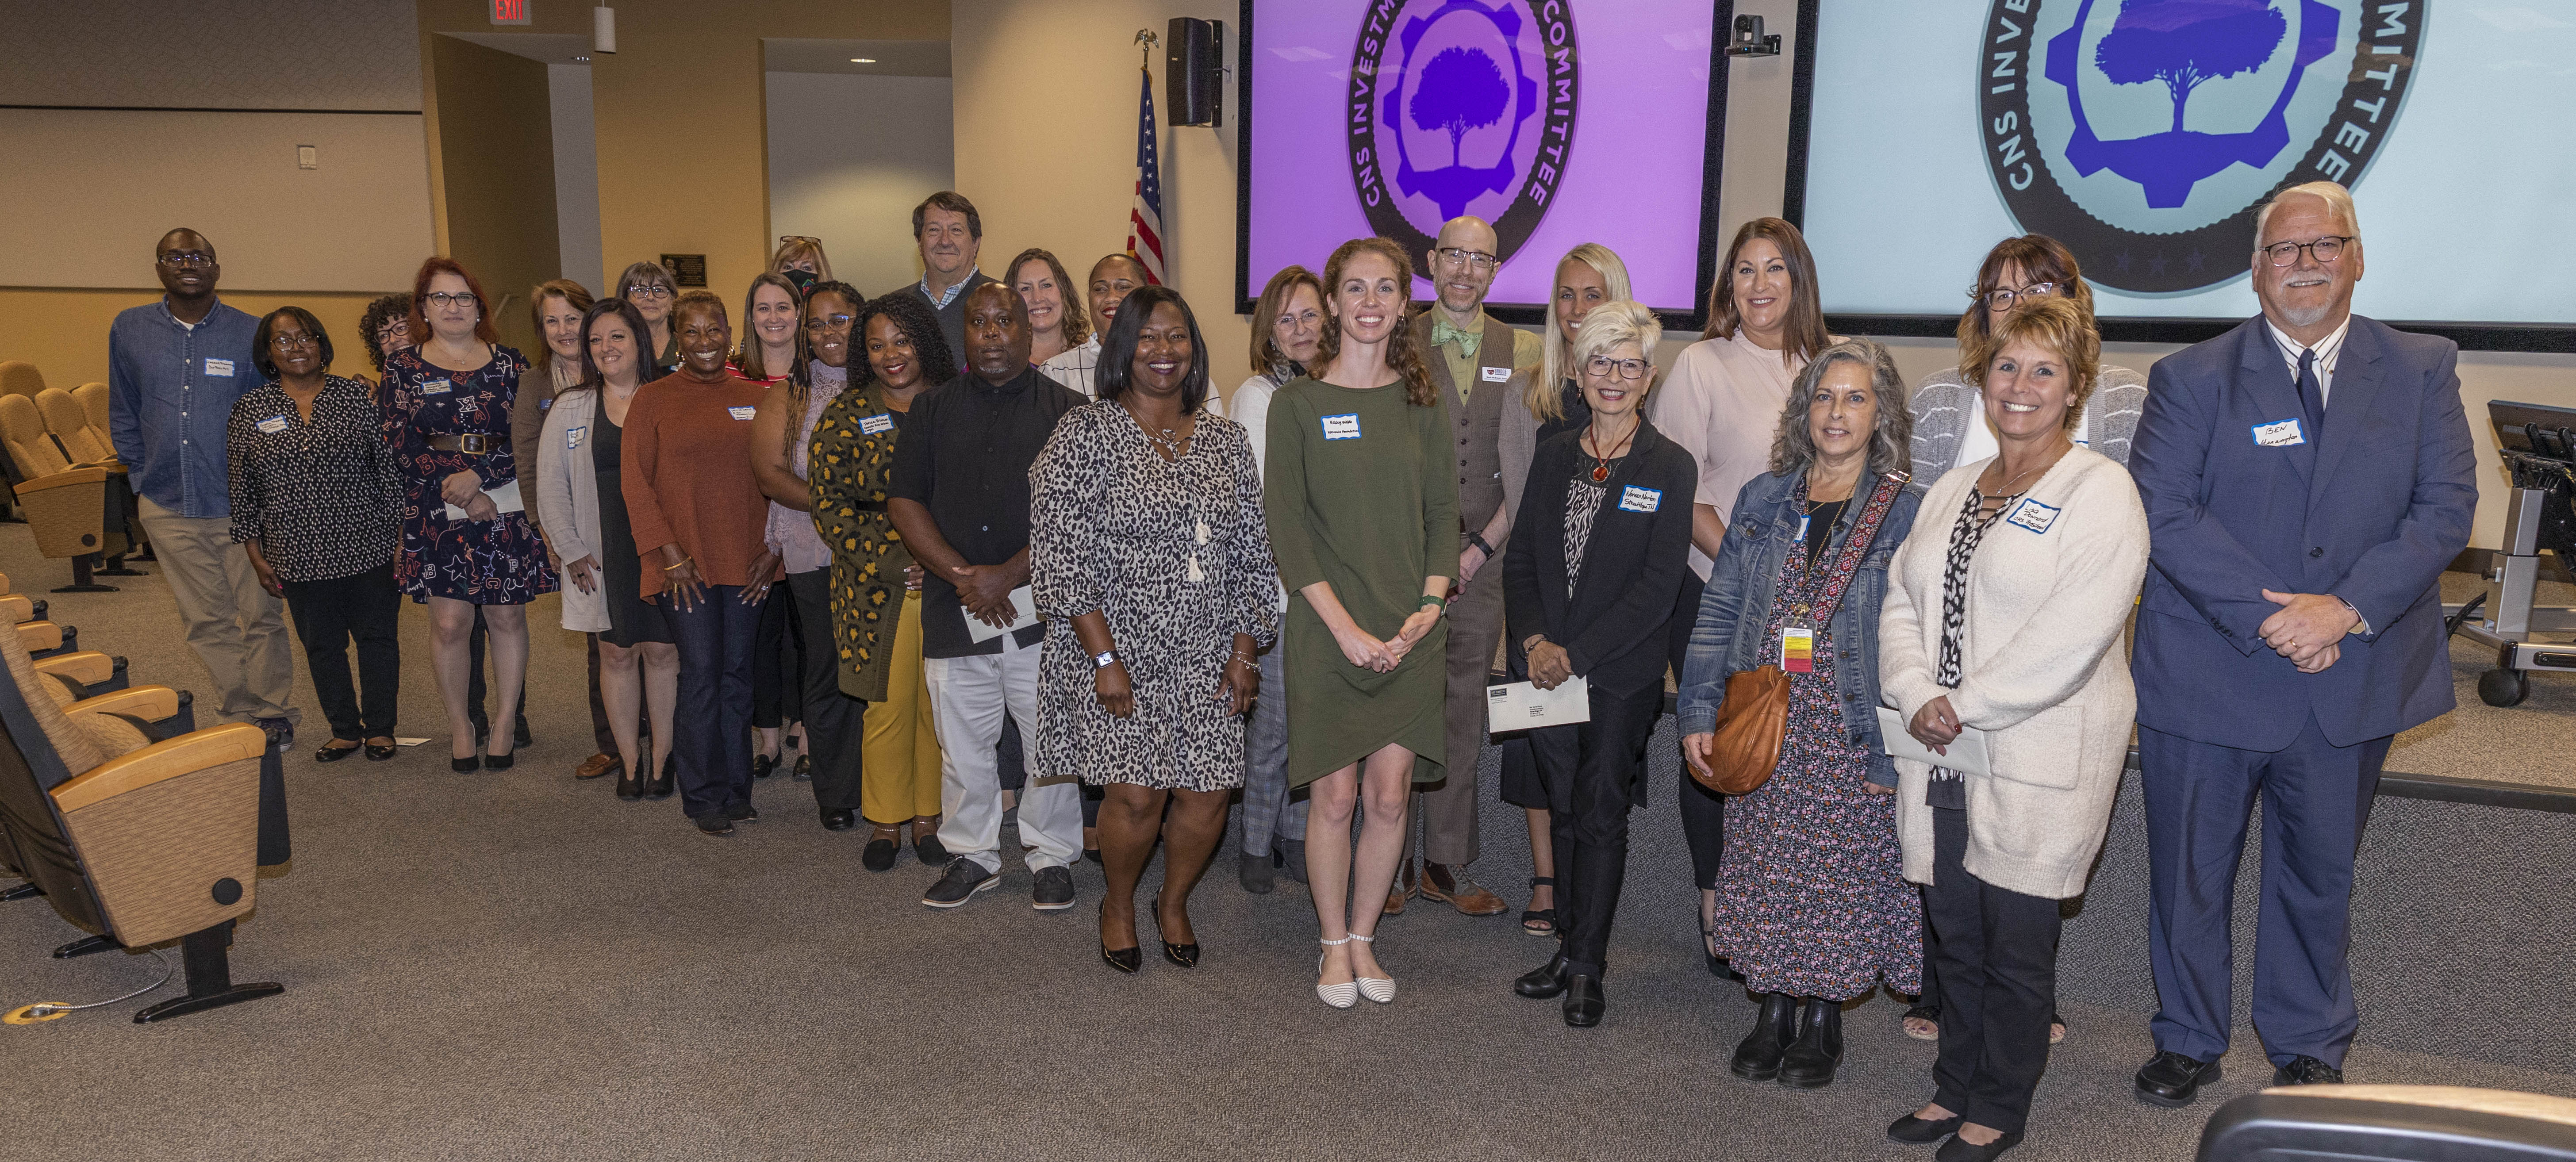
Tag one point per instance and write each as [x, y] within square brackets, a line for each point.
[1478, 539]
[1104, 659]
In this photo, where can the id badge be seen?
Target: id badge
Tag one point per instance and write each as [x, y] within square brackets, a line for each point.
[1797, 649]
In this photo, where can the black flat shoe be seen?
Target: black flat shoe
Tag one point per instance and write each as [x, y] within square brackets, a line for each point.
[839, 819]
[1185, 955]
[1914, 1131]
[2305, 1070]
[1961, 1150]
[659, 786]
[2173, 1080]
[763, 766]
[1583, 1002]
[519, 735]
[1812, 1059]
[804, 768]
[880, 852]
[333, 754]
[1545, 981]
[1717, 965]
[465, 766]
[499, 762]
[377, 754]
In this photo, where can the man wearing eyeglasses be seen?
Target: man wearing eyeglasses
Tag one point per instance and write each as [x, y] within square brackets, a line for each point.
[1479, 365]
[174, 369]
[2307, 476]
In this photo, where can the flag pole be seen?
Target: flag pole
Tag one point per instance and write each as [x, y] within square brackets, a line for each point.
[1146, 38]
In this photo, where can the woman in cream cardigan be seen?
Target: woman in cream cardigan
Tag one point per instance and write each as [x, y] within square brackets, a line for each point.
[2002, 615]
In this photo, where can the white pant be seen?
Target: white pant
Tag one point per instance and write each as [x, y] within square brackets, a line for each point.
[968, 697]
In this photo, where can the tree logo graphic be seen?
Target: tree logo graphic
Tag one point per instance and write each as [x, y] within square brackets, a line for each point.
[1461, 107]
[2144, 133]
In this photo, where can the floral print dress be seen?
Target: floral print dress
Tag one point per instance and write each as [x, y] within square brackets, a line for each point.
[1811, 892]
[495, 562]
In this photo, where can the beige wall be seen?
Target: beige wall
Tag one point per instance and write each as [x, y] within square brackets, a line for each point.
[64, 331]
[496, 175]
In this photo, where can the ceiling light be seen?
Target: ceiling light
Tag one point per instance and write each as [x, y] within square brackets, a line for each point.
[863, 60]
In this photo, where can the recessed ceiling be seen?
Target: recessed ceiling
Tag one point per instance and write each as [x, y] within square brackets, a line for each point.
[554, 48]
[893, 58]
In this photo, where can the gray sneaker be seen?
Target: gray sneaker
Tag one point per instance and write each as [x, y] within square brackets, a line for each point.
[1054, 891]
[959, 883]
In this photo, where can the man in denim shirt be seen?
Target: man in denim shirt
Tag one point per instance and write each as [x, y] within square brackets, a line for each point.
[174, 369]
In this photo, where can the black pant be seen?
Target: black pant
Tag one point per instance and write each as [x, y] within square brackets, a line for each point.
[1592, 771]
[776, 677]
[1703, 810]
[474, 711]
[1997, 952]
[328, 614]
[835, 723]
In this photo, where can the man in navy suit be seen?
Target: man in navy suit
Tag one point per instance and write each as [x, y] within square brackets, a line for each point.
[2307, 476]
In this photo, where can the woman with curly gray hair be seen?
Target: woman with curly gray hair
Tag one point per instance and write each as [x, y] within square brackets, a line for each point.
[1812, 903]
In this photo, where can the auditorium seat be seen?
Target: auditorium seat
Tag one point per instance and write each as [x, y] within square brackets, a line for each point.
[84, 444]
[78, 510]
[92, 398]
[2391, 1123]
[141, 847]
[44, 639]
[19, 377]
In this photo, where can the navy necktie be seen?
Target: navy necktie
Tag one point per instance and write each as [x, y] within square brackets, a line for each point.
[2312, 393]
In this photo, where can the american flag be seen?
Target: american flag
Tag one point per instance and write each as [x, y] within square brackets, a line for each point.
[1145, 219]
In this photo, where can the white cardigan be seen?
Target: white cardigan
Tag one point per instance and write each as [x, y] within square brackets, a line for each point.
[568, 502]
[2038, 669]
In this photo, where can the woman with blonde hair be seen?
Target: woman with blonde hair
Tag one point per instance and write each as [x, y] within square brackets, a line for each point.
[1552, 402]
[1362, 506]
[1287, 327]
[799, 259]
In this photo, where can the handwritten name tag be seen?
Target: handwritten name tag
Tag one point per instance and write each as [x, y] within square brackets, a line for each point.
[1498, 374]
[741, 413]
[2033, 515]
[2279, 434]
[437, 387]
[1637, 499]
[1342, 427]
[272, 425]
[572, 437]
[876, 425]
[221, 367]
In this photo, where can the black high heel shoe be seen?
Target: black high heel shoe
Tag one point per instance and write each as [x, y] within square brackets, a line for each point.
[499, 762]
[1126, 960]
[659, 786]
[629, 787]
[469, 764]
[1185, 955]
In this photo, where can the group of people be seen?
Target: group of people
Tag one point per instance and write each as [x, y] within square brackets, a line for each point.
[1035, 564]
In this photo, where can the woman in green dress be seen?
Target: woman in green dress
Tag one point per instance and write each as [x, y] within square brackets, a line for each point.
[1363, 513]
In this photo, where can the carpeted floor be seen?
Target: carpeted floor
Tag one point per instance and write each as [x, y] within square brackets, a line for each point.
[521, 967]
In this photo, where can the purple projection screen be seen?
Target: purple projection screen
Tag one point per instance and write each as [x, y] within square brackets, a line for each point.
[1560, 121]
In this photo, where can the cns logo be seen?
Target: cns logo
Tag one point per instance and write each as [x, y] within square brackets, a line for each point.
[2145, 133]
[1460, 107]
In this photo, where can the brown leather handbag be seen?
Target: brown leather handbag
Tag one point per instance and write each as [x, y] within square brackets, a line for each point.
[1754, 719]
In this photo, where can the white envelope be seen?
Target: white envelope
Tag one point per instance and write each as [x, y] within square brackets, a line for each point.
[1027, 607]
[1967, 752]
[504, 498]
[1523, 706]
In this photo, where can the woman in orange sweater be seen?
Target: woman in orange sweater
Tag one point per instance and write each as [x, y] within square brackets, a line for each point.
[698, 516]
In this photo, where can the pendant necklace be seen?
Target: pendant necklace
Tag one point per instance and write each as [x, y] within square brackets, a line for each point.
[1600, 463]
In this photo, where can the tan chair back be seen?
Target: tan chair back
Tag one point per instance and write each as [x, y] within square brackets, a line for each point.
[70, 426]
[22, 432]
[92, 398]
[18, 377]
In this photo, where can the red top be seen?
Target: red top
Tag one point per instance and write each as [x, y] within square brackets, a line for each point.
[686, 474]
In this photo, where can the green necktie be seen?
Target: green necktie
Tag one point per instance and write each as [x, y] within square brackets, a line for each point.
[1443, 334]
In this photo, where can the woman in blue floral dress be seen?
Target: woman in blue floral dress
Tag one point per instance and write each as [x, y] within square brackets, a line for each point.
[466, 537]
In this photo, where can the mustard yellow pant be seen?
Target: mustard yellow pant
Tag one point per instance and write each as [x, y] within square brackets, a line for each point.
[900, 750]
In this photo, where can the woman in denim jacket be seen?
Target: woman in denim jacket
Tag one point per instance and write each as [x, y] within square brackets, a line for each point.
[1812, 903]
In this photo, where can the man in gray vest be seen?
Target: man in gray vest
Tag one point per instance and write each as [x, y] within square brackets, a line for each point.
[1478, 364]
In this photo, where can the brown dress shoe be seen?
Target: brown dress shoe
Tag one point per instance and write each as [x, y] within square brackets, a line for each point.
[1399, 891]
[595, 766]
[1450, 885]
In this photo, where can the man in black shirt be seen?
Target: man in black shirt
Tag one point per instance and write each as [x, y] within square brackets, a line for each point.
[961, 501]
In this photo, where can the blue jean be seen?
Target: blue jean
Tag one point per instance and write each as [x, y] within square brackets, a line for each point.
[713, 735]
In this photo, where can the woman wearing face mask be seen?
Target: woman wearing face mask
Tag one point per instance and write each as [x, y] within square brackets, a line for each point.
[581, 458]
[650, 288]
[468, 545]
[1362, 506]
[799, 259]
[771, 312]
[1588, 276]
[1813, 907]
[1057, 323]
[1149, 561]
[876, 587]
[1287, 325]
[699, 522]
[781, 457]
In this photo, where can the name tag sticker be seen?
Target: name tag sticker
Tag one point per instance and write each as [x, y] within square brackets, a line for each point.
[272, 425]
[741, 412]
[1498, 374]
[222, 367]
[1342, 427]
[437, 387]
[545, 405]
[572, 437]
[2033, 515]
[2279, 434]
[1637, 499]
[876, 425]
[1798, 650]
[1802, 526]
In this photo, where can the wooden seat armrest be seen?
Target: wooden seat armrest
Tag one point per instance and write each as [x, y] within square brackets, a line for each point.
[88, 667]
[185, 754]
[65, 478]
[38, 636]
[149, 703]
[18, 608]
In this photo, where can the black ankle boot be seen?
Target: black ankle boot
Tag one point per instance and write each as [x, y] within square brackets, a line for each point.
[1545, 981]
[1811, 1061]
[1758, 1058]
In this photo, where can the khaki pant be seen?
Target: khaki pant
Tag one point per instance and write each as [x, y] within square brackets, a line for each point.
[1448, 810]
[236, 628]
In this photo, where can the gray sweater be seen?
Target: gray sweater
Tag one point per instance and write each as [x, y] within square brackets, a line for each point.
[1944, 405]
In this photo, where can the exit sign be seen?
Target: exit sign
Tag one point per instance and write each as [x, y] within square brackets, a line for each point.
[510, 11]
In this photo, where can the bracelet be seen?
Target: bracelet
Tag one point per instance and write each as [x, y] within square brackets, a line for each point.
[1246, 659]
[683, 561]
[1429, 600]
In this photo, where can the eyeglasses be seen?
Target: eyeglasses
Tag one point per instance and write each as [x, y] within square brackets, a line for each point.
[828, 323]
[290, 341]
[452, 298]
[648, 292]
[786, 238]
[1601, 366]
[2325, 249]
[1475, 258]
[184, 259]
[2002, 298]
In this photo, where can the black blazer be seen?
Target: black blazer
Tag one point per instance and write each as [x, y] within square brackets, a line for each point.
[1617, 628]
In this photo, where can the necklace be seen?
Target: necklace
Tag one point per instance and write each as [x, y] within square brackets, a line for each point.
[1172, 446]
[2006, 488]
[1601, 463]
